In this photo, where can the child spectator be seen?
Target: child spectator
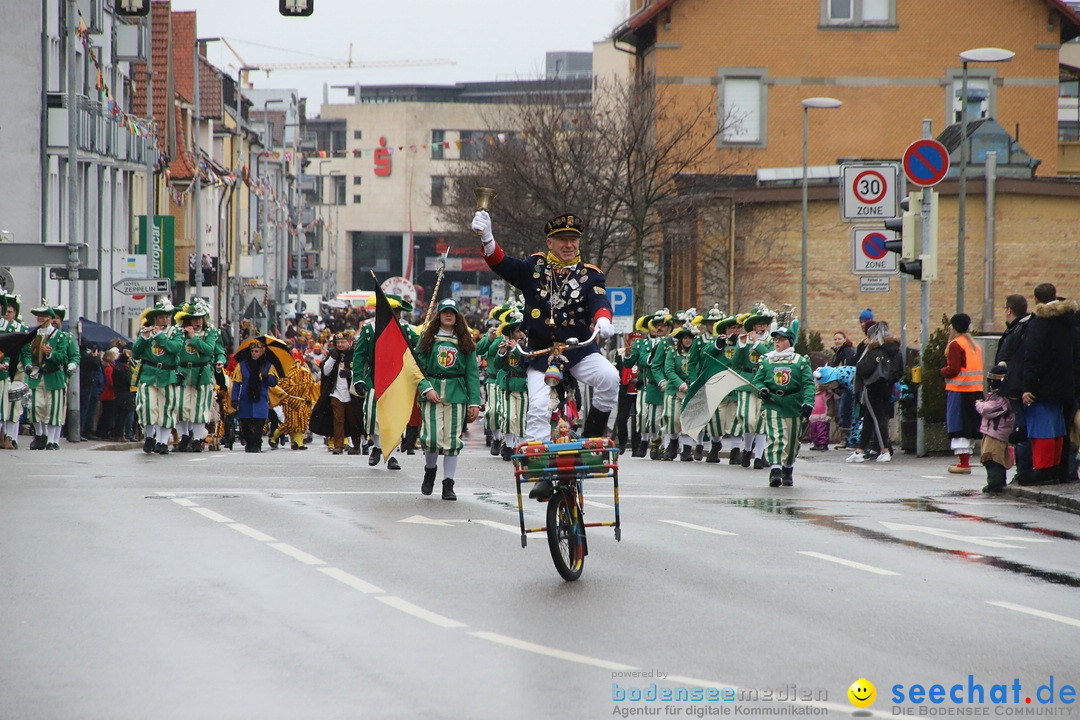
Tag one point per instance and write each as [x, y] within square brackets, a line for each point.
[997, 422]
[819, 419]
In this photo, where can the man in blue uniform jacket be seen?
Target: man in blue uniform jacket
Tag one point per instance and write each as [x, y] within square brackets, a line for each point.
[564, 298]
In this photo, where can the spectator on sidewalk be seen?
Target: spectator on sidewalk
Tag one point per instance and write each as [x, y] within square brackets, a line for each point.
[1010, 353]
[1048, 384]
[963, 373]
[997, 424]
[844, 355]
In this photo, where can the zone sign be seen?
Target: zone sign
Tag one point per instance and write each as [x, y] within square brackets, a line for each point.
[869, 191]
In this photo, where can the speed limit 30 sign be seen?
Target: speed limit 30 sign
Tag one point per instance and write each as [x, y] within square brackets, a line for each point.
[869, 191]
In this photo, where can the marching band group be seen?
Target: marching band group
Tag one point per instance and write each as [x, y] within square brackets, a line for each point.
[182, 387]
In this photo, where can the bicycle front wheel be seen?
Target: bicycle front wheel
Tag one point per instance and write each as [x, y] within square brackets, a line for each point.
[566, 535]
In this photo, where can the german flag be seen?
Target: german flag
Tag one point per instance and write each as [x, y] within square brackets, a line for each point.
[397, 374]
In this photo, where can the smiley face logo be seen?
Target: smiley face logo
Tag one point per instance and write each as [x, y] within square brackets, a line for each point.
[862, 693]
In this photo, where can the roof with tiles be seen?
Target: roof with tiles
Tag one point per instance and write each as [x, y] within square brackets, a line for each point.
[160, 58]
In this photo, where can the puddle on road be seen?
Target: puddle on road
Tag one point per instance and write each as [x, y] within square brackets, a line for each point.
[779, 506]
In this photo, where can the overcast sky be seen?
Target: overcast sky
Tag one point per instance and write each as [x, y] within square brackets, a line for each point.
[486, 39]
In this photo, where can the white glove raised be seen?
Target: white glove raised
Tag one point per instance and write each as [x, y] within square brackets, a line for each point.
[604, 328]
[481, 225]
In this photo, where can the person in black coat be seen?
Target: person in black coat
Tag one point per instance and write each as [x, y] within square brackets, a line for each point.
[1048, 382]
[334, 414]
[877, 371]
[844, 354]
[124, 402]
[1010, 353]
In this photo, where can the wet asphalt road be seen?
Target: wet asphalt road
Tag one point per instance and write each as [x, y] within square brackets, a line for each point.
[304, 585]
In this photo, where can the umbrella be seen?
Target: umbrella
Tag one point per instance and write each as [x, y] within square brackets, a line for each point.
[97, 336]
[703, 398]
[276, 349]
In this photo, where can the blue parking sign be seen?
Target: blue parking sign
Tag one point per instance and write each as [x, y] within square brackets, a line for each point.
[622, 308]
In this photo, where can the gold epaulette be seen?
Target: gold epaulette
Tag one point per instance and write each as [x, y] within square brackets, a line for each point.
[539, 254]
[588, 265]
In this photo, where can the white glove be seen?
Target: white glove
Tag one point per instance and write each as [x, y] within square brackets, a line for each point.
[481, 225]
[604, 328]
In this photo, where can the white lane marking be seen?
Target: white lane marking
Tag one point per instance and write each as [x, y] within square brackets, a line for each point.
[849, 563]
[251, 532]
[845, 709]
[702, 528]
[550, 652]
[416, 611]
[202, 459]
[351, 580]
[993, 541]
[296, 553]
[216, 517]
[50, 476]
[933, 477]
[599, 504]
[422, 520]
[184, 502]
[167, 494]
[1037, 613]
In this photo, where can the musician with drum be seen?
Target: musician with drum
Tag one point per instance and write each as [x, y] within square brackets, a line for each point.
[13, 387]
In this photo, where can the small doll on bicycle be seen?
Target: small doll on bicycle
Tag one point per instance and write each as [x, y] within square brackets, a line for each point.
[563, 433]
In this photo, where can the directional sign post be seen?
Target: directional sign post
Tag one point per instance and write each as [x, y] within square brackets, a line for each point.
[143, 286]
[926, 162]
[622, 308]
[868, 253]
[869, 191]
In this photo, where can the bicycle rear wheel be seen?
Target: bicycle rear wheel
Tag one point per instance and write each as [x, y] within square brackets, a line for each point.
[566, 535]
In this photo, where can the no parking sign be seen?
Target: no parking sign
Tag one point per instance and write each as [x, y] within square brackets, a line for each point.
[868, 253]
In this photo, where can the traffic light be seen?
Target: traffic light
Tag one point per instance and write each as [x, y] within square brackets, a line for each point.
[296, 8]
[132, 8]
[914, 260]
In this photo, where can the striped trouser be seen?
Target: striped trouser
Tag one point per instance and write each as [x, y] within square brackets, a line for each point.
[515, 411]
[297, 416]
[722, 420]
[783, 437]
[48, 406]
[747, 413]
[491, 393]
[157, 406]
[369, 414]
[673, 413]
[442, 426]
[9, 411]
[193, 404]
[652, 420]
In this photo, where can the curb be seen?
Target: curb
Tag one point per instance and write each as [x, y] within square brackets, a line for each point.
[1055, 501]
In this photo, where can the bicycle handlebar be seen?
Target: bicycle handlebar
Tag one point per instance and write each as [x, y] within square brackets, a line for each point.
[570, 343]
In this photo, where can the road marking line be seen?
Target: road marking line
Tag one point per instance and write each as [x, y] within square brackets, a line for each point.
[184, 502]
[296, 553]
[51, 476]
[216, 517]
[550, 652]
[698, 527]
[351, 580]
[419, 612]
[849, 563]
[167, 494]
[512, 529]
[599, 504]
[1037, 613]
[251, 532]
[202, 459]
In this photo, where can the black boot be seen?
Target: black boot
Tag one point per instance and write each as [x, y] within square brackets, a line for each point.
[785, 477]
[775, 477]
[507, 452]
[147, 446]
[487, 437]
[448, 490]
[759, 464]
[736, 457]
[412, 432]
[374, 457]
[698, 451]
[654, 448]
[672, 451]
[39, 442]
[746, 458]
[641, 449]
[714, 453]
[429, 480]
[496, 447]
[687, 454]
[185, 443]
[595, 423]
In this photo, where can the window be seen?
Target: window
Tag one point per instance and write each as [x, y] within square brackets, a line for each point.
[356, 199]
[858, 13]
[339, 189]
[438, 188]
[742, 118]
[357, 134]
[337, 140]
[979, 89]
[438, 137]
[472, 144]
[356, 179]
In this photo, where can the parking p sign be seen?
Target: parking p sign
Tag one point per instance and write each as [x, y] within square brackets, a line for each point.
[622, 308]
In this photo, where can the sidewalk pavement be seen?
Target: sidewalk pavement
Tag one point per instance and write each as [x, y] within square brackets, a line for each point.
[1065, 496]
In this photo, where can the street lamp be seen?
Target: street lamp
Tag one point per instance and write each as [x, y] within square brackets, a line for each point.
[980, 55]
[825, 103]
[332, 256]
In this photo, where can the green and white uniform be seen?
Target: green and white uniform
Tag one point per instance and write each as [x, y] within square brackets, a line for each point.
[748, 406]
[513, 387]
[455, 376]
[48, 380]
[790, 381]
[677, 379]
[195, 362]
[10, 411]
[158, 398]
[363, 369]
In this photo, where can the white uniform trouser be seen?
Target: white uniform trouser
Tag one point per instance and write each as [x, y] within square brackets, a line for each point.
[593, 370]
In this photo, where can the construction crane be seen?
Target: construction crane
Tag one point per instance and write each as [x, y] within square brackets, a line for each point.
[267, 68]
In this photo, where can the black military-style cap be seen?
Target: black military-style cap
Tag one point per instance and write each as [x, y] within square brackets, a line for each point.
[565, 223]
